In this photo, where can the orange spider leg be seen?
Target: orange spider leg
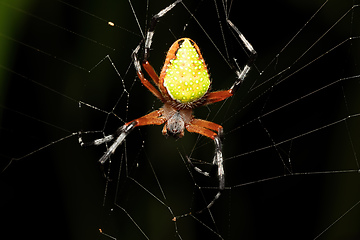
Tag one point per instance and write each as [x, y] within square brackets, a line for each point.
[148, 85]
[218, 96]
[203, 127]
[150, 70]
[197, 126]
[208, 125]
[153, 118]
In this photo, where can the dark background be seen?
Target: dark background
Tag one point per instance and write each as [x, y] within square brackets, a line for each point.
[48, 54]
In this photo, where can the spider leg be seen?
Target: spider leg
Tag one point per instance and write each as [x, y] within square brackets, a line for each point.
[153, 118]
[241, 74]
[208, 125]
[150, 71]
[151, 30]
[218, 96]
[124, 131]
[146, 65]
[207, 129]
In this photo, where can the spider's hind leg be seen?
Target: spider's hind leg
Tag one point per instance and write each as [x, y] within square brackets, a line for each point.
[153, 22]
[241, 74]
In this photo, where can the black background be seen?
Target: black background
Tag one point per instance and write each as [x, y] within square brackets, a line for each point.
[49, 51]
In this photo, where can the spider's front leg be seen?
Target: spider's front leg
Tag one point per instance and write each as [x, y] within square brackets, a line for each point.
[207, 129]
[153, 118]
[120, 135]
[219, 162]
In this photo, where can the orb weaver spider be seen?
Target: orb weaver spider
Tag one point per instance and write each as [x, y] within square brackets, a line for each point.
[184, 84]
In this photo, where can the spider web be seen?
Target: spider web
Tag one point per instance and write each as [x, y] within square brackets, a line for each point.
[291, 139]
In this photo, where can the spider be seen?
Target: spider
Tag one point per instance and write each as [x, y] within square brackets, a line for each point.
[184, 84]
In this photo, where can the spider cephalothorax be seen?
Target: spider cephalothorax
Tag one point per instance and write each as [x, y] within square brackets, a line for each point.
[184, 84]
[176, 120]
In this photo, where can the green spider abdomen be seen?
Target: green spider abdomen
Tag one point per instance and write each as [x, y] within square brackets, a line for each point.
[186, 77]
